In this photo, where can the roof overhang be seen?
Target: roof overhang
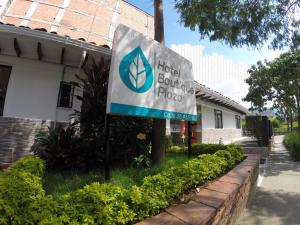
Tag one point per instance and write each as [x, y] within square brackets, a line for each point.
[208, 95]
[47, 47]
[39, 45]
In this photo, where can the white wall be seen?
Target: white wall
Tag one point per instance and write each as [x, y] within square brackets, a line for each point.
[228, 134]
[33, 90]
[63, 113]
[208, 116]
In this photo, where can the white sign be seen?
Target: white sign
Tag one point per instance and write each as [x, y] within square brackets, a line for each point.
[147, 79]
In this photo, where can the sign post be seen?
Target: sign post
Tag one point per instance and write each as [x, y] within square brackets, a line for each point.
[107, 148]
[149, 80]
[189, 139]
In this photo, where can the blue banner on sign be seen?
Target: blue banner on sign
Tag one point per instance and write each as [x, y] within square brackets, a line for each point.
[130, 110]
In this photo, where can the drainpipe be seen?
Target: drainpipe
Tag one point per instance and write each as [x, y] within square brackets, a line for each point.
[56, 108]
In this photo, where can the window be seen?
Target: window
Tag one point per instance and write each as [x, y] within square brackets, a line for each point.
[238, 122]
[66, 92]
[218, 119]
[4, 78]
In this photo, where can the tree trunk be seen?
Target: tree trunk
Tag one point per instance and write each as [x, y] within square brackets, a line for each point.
[298, 109]
[298, 118]
[159, 22]
[291, 121]
[159, 125]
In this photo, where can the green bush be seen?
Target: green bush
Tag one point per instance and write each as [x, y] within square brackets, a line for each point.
[157, 191]
[97, 204]
[198, 149]
[123, 139]
[276, 122]
[23, 199]
[177, 149]
[31, 164]
[168, 142]
[292, 143]
[62, 148]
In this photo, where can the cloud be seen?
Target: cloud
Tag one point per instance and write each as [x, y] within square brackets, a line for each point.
[216, 72]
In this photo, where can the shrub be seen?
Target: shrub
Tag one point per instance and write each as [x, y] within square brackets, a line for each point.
[275, 122]
[198, 149]
[168, 142]
[70, 148]
[124, 130]
[31, 164]
[177, 149]
[142, 161]
[157, 191]
[226, 156]
[292, 143]
[23, 199]
[97, 204]
[62, 148]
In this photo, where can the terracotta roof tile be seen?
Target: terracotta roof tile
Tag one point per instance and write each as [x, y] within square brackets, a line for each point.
[52, 32]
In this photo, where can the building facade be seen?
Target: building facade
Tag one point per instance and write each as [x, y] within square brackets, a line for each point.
[90, 20]
[44, 43]
[219, 119]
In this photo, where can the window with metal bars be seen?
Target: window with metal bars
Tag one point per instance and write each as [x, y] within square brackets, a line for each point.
[66, 93]
[218, 119]
[237, 121]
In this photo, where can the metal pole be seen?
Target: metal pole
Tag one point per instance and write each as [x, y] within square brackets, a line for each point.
[189, 139]
[107, 148]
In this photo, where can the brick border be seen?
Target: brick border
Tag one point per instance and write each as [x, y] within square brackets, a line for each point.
[220, 202]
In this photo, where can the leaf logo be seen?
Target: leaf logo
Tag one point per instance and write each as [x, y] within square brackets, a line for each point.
[136, 72]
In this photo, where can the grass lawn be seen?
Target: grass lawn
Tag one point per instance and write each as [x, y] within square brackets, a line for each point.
[61, 182]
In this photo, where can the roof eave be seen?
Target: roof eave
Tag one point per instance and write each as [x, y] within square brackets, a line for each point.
[67, 41]
[229, 103]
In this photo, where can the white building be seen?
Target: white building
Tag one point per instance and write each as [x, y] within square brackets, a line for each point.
[36, 84]
[219, 115]
[219, 119]
[37, 73]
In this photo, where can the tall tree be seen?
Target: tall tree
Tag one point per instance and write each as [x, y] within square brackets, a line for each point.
[277, 81]
[236, 23]
[239, 23]
[159, 125]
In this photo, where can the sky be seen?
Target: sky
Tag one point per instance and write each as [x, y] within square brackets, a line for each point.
[235, 61]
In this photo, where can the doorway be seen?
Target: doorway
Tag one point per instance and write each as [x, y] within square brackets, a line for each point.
[4, 78]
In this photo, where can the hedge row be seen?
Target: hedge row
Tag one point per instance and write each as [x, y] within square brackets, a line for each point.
[23, 199]
[292, 143]
[198, 149]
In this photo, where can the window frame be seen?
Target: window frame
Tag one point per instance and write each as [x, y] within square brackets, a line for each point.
[238, 122]
[218, 113]
[71, 95]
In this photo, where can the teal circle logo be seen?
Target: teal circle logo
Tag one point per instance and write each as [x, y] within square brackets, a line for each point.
[136, 72]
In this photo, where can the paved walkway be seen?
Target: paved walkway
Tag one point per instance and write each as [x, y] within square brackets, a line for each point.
[277, 200]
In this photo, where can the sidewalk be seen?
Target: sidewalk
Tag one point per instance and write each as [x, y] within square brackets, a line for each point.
[277, 200]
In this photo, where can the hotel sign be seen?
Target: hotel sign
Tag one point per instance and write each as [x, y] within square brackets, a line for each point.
[147, 79]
